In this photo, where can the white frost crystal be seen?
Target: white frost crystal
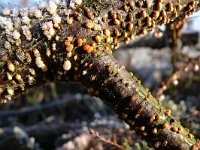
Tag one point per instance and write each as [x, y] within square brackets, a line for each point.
[27, 32]
[74, 2]
[56, 19]
[6, 12]
[7, 45]
[26, 20]
[16, 35]
[67, 65]
[48, 29]
[38, 13]
[52, 7]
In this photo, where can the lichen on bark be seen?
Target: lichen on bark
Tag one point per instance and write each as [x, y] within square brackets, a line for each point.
[74, 40]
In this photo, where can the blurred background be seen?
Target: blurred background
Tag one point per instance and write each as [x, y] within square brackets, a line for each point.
[58, 115]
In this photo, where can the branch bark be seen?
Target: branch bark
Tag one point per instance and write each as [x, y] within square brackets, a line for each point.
[187, 39]
[74, 42]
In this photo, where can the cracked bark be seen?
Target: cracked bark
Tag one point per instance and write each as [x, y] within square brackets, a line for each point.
[99, 71]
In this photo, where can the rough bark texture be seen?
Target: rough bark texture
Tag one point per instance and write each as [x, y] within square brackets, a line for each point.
[187, 39]
[75, 42]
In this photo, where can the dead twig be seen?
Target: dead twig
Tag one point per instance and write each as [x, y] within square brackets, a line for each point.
[112, 141]
[190, 67]
[44, 107]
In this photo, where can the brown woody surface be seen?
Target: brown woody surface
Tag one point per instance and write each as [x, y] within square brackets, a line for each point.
[74, 41]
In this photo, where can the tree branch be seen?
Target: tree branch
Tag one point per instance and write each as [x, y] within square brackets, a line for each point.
[74, 41]
[69, 100]
[134, 104]
[187, 39]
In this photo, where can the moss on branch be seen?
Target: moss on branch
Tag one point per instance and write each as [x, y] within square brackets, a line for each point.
[74, 41]
[133, 103]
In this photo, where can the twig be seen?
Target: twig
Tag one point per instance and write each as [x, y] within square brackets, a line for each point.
[114, 143]
[158, 43]
[194, 66]
[174, 34]
[44, 107]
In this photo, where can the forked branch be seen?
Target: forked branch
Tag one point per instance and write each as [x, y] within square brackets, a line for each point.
[74, 40]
